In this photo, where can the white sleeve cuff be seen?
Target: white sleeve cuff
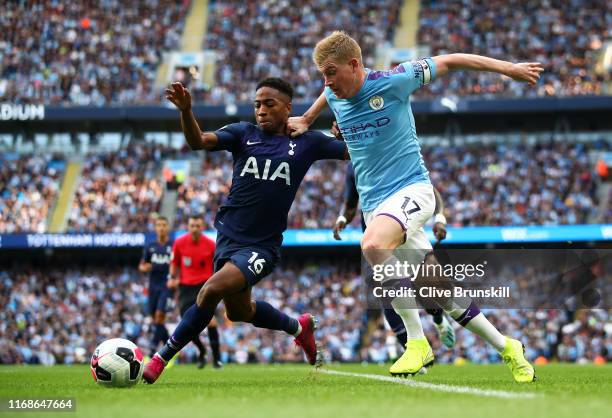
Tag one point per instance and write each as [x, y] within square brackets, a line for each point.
[440, 218]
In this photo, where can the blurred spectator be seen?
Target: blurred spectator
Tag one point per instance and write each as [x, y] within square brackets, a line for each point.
[29, 185]
[205, 190]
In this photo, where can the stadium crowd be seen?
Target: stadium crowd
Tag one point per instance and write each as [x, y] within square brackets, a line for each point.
[563, 35]
[85, 53]
[59, 315]
[29, 185]
[554, 33]
[555, 185]
[118, 191]
[257, 40]
[107, 52]
[505, 184]
[205, 190]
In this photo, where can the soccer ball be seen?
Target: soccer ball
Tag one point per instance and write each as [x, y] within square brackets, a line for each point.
[117, 363]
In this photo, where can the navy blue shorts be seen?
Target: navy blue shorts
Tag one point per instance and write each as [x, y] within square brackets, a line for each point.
[254, 261]
[158, 299]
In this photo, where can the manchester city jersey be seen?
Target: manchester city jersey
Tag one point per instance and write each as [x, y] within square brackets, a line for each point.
[378, 127]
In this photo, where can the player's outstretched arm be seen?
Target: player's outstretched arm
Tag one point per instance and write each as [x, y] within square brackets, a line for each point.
[178, 95]
[528, 72]
[297, 125]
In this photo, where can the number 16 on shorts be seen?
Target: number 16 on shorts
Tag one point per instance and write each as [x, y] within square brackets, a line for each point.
[256, 265]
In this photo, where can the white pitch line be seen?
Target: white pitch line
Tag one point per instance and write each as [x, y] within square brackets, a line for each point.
[439, 386]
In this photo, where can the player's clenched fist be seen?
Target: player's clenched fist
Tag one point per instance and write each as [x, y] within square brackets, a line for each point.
[179, 96]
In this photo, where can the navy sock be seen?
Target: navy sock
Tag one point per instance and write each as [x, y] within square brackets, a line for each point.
[163, 333]
[198, 343]
[470, 313]
[154, 338]
[267, 316]
[159, 334]
[436, 314]
[213, 337]
[192, 324]
[397, 325]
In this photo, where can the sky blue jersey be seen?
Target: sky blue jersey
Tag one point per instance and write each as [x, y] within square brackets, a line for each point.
[378, 126]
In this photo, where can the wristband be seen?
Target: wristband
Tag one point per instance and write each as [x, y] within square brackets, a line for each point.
[439, 218]
[341, 218]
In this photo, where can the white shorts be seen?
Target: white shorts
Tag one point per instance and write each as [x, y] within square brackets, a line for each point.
[411, 207]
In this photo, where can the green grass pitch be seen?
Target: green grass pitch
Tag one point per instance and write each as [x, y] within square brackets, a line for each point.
[295, 391]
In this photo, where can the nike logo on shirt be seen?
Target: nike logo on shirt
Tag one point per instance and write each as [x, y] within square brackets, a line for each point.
[253, 143]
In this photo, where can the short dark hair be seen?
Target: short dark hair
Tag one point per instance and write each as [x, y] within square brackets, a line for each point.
[161, 218]
[197, 216]
[276, 83]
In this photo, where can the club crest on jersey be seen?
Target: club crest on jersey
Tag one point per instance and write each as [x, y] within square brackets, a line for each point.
[187, 261]
[292, 146]
[377, 102]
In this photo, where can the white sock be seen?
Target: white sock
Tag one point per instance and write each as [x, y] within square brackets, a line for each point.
[412, 323]
[480, 325]
[299, 330]
[406, 308]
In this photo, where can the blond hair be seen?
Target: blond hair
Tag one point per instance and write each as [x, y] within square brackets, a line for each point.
[338, 47]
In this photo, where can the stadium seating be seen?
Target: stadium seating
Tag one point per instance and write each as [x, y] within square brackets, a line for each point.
[59, 315]
[562, 35]
[85, 53]
[260, 40]
[548, 183]
[516, 31]
[551, 183]
[107, 53]
[29, 185]
[118, 191]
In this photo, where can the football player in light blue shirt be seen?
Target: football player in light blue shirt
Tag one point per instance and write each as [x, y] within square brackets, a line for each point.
[373, 112]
